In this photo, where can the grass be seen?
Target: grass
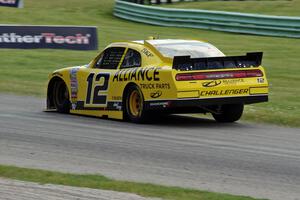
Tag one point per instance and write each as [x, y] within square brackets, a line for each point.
[267, 7]
[25, 71]
[101, 182]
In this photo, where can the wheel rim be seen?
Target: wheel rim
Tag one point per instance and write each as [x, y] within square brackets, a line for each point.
[61, 94]
[135, 103]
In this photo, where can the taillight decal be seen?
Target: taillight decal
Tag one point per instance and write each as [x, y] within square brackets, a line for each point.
[219, 75]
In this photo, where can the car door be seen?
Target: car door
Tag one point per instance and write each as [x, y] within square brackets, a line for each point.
[94, 80]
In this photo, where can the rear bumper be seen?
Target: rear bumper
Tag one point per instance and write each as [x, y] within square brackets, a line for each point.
[196, 103]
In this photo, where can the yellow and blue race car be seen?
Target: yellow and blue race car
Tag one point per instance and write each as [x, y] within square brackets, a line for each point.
[139, 79]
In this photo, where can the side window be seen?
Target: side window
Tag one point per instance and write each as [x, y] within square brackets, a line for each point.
[132, 59]
[110, 58]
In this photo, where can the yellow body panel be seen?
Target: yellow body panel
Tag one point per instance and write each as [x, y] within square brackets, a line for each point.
[155, 78]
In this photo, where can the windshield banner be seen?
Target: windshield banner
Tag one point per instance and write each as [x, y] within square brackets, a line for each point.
[52, 37]
[12, 3]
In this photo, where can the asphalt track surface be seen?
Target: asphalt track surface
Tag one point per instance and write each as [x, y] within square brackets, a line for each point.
[254, 160]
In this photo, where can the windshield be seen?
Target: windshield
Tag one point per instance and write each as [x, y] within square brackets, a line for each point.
[193, 48]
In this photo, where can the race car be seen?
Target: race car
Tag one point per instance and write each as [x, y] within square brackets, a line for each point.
[137, 80]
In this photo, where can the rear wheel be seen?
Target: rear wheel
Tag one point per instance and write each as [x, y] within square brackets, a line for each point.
[229, 113]
[61, 97]
[134, 105]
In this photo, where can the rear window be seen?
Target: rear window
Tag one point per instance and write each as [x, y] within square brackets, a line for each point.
[193, 48]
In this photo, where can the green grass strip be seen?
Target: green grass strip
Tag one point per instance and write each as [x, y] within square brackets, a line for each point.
[101, 182]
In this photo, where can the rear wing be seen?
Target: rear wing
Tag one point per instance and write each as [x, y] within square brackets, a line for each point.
[186, 63]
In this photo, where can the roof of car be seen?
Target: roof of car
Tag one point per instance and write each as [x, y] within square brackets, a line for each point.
[166, 41]
[166, 49]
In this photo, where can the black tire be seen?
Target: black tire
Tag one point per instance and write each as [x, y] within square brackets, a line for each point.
[229, 113]
[135, 113]
[61, 97]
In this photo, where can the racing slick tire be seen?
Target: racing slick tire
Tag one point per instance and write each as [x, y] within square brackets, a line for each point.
[61, 97]
[229, 113]
[134, 105]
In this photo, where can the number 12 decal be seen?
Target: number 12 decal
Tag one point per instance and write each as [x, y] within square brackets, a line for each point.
[96, 87]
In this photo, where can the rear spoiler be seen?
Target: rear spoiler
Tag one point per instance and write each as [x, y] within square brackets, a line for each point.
[186, 63]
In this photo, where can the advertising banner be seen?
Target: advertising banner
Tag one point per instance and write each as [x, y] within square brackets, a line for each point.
[12, 3]
[53, 37]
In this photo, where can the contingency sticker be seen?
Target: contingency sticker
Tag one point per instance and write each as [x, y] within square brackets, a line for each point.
[74, 86]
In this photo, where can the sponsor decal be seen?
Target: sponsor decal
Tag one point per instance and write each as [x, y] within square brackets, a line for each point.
[56, 37]
[224, 92]
[12, 3]
[211, 83]
[117, 106]
[156, 94]
[73, 106]
[163, 86]
[111, 105]
[260, 80]
[163, 104]
[74, 84]
[117, 98]
[233, 81]
[147, 52]
[137, 74]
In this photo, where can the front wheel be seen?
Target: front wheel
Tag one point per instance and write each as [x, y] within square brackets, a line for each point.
[229, 113]
[61, 97]
[134, 105]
